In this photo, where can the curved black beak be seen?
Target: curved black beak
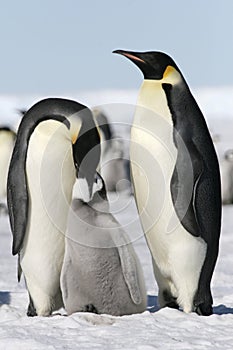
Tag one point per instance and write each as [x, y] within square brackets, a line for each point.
[136, 57]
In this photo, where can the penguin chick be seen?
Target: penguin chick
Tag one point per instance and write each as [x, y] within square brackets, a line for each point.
[101, 272]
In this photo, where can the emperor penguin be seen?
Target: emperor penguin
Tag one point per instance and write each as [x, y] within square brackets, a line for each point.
[226, 170]
[114, 164]
[7, 140]
[176, 181]
[57, 139]
[101, 272]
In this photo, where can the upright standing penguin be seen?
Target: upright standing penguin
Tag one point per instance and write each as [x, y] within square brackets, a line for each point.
[57, 138]
[177, 184]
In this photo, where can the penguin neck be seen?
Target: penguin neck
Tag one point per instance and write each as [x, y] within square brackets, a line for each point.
[152, 97]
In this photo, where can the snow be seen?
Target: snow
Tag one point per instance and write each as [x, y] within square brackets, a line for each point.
[153, 329]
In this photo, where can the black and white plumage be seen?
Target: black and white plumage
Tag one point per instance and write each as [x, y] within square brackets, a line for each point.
[56, 139]
[176, 182]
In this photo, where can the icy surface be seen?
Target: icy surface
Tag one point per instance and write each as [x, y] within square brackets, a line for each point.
[154, 329]
[160, 329]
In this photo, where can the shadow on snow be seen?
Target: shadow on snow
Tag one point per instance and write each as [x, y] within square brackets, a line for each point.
[152, 306]
[152, 303]
[5, 298]
[222, 310]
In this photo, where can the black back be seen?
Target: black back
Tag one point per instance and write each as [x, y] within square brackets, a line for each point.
[17, 193]
[201, 216]
[195, 184]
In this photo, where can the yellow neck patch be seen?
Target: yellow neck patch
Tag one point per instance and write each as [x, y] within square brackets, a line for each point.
[74, 137]
[171, 76]
[75, 124]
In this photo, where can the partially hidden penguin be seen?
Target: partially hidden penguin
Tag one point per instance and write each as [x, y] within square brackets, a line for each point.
[114, 163]
[7, 141]
[176, 180]
[101, 272]
[57, 139]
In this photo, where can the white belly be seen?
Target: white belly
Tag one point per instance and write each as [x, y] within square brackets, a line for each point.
[50, 177]
[153, 158]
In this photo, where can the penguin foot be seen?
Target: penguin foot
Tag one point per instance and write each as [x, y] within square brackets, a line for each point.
[203, 302]
[203, 309]
[169, 300]
[31, 312]
[172, 305]
[89, 308]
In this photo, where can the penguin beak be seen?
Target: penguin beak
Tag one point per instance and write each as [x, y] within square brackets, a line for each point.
[133, 56]
[142, 61]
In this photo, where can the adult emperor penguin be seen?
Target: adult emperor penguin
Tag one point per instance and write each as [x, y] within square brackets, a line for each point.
[177, 184]
[7, 141]
[101, 272]
[56, 139]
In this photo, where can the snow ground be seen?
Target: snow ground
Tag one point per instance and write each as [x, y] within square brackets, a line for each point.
[154, 329]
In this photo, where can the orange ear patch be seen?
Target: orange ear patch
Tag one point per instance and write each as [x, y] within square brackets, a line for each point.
[74, 137]
[168, 71]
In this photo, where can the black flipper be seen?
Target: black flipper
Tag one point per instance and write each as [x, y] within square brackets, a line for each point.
[203, 215]
[184, 182]
[17, 195]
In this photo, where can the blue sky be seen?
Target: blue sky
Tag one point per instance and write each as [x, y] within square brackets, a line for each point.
[55, 46]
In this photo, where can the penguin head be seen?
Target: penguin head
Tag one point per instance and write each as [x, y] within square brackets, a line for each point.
[99, 201]
[86, 149]
[154, 65]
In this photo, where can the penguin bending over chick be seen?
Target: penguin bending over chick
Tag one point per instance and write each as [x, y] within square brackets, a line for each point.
[56, 138]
